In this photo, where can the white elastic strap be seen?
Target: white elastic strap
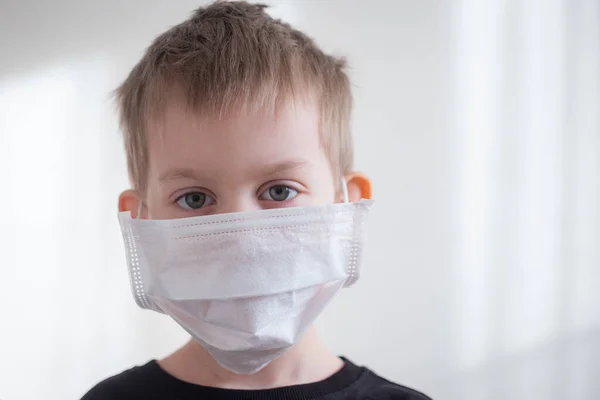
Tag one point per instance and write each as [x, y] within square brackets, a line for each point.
[139, 213]
[345, 190]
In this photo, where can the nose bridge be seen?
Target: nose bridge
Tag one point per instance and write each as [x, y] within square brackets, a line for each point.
[237, 200]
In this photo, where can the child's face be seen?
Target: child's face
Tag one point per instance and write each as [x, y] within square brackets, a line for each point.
[201, 166]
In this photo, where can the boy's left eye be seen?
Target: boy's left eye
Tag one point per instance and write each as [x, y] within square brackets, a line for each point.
[279, 193]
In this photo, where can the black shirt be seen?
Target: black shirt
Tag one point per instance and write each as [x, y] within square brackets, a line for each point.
[151, 382]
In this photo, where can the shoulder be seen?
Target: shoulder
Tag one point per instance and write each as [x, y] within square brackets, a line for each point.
[137, 382]
[382, 389]
[371, 386]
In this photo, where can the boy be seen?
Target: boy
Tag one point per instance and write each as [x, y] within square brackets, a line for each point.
[245, 217]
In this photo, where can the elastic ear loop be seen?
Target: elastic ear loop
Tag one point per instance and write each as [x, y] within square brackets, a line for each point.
[345, 190]
[139, 213]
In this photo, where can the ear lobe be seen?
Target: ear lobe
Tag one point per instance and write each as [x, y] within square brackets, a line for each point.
[359, 187]
[129, 200]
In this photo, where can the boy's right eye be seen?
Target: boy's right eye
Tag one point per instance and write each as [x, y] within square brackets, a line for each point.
[194, 200]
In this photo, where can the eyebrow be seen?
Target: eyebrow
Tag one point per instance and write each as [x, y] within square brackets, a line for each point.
[178, 173]
[279, 167]
[265, 170]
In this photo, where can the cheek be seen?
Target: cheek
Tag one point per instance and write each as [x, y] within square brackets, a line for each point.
[159, 211]
[158, 204]
[323, 190]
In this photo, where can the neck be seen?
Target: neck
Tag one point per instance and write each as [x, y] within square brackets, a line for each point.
[308, 361]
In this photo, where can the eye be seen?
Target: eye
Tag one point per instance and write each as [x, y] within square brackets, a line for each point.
[279, 193]
[194, 200]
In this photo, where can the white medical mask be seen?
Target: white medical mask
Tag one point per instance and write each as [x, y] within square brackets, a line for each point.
[248, 285]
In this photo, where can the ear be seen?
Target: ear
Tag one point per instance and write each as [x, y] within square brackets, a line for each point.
[129, 200]
[359, 187]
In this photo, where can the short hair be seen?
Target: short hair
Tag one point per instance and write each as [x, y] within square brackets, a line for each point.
[229, 56]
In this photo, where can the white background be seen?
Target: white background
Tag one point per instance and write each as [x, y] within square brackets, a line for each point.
[478, 122]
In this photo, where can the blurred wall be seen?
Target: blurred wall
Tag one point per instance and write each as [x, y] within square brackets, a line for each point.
[477, 121]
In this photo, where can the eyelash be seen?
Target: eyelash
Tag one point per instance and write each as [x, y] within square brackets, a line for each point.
[266, 190]
[288, 188]
[183, 196]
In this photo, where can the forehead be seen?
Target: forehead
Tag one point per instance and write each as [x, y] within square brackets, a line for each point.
[235, 142]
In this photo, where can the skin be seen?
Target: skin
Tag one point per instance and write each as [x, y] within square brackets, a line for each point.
[244, 162]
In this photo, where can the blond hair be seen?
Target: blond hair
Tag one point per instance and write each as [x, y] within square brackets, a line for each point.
[230, 56]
